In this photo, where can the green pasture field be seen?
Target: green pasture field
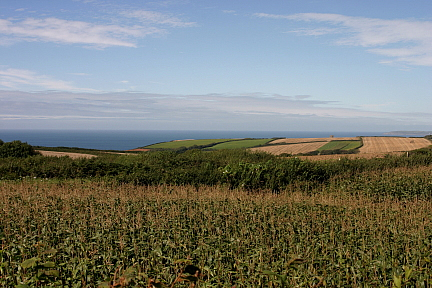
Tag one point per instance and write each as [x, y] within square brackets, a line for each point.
[245, 143]
[186, 143]
[341, 145]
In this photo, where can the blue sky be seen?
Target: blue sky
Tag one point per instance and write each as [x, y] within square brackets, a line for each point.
[293, 65]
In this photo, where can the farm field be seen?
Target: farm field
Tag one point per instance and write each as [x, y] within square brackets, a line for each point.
[392, 144]
[246, 143]
[222, 218]
[100, 234]
[186, 143]
[291, 148]
[341, 145]
[372, 146]
[306, 140]
[306, 145]
[69, 154]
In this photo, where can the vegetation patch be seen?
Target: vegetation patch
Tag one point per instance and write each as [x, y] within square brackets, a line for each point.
[341, 145]
[244, 143]
[200, 143]
[100, 234]
[223, 218]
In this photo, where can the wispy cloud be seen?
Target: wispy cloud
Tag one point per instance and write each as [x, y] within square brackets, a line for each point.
[20, 78]
[405, 41]
[73, 32]
[154, 17]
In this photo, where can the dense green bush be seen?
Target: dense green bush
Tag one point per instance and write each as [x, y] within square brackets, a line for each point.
[235, 168]
[272, 175]
[16, 149]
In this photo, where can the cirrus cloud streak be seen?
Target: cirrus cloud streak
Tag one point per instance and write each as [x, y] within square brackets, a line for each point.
[95, 35]
[406, 41]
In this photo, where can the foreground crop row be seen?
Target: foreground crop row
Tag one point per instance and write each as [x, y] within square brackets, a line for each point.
[88, 234]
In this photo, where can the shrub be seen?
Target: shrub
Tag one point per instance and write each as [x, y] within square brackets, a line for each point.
[16, 149]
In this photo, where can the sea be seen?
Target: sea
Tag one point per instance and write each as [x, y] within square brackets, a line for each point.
[131, 139]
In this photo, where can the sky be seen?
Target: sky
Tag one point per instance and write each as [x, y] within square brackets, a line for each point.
[278, 65]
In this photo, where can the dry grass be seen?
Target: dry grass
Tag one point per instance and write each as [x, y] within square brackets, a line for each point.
[38, 191]
[349, 156]
[392, 144]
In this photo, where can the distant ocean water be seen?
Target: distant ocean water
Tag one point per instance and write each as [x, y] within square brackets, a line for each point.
[129, 139]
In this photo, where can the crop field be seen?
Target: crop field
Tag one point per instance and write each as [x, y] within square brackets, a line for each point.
[306, 140]
[341, 145]
[392, 144]
[246, 143]
[186, 143]
[61, 154]
[290, 148]
[96, 234]
[223, 218]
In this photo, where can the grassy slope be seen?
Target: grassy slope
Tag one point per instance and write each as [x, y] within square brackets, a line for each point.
[186, 143]
[246, 143]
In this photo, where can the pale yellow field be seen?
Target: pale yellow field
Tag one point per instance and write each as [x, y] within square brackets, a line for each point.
[372, 146]
[304, 140]
[392, 144]
[61, 154]
[291, 148]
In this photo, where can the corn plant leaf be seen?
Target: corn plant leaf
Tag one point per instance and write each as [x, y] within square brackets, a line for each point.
[50, 251]
[30, 262]
[397, 281]
[48, 264]
[130, 274]
[104, 284]
[52, 273]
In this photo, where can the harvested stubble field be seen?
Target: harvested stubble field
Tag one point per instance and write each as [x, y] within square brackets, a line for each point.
[291, 148]
[306, 140]
[298, 145]
[85, 234]
[392, 144]
[372, 146]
